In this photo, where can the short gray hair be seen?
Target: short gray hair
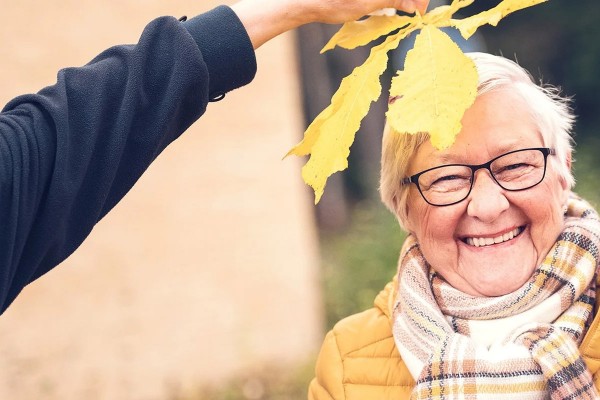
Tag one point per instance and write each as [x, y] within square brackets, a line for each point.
[550, 111]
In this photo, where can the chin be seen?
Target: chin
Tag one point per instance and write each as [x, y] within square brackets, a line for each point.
[495, 292]
[490, 289]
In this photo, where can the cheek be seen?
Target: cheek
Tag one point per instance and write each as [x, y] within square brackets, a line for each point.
[435, 226]
[436, 238]
[547, 220]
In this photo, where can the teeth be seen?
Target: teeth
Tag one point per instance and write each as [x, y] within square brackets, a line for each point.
[479, 242]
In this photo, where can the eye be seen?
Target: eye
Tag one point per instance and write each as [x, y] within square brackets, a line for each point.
[447, 178]
[450, 183]
[513, 167]
[516, 172]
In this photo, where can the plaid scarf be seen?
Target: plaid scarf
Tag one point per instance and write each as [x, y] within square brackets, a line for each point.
[523, 345]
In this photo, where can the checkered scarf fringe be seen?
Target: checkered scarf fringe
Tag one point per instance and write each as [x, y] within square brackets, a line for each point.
[441, 332]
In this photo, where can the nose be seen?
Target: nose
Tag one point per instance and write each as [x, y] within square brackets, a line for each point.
[486, 201]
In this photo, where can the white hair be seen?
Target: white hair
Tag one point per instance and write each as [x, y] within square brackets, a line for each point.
[551, 113]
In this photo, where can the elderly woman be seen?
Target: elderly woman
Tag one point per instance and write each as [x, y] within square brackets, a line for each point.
[496, 287]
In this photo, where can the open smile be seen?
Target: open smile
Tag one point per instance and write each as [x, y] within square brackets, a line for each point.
[488, 241]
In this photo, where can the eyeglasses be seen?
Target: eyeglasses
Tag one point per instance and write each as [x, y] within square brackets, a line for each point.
[513, 171]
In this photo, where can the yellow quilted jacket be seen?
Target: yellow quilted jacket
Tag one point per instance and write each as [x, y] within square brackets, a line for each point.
[359, 359]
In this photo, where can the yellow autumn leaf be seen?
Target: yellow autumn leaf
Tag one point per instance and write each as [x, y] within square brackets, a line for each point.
[438, 84]
[468, 26]
[440, 16]
[358, 33]
[458, 4]
[330, 135]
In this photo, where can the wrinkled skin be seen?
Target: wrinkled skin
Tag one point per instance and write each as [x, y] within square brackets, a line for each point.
[498, 122]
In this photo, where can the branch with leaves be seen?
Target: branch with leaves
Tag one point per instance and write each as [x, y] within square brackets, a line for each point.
[432, 93]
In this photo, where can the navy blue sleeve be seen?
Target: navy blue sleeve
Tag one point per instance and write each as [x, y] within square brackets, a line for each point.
[69, 153]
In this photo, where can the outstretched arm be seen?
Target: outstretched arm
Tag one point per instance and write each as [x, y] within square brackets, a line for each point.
[265, 19]
[71, 151]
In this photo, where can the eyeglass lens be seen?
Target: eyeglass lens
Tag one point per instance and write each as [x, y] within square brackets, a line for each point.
[449, 184]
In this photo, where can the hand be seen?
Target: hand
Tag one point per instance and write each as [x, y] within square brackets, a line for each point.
[265, 19]
[339, 11]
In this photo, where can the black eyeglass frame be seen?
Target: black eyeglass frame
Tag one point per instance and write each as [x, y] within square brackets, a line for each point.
[546, 151]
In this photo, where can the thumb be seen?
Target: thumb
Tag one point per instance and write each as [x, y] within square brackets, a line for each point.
[411, 6]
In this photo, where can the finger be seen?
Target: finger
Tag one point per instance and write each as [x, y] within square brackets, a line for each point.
[422, 6]
[407, 6]
[388, 12]
[410, 6]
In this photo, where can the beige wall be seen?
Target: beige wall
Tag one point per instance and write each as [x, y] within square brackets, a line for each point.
[207, 267]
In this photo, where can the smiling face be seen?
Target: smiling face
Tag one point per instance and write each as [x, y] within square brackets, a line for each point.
[490, 243]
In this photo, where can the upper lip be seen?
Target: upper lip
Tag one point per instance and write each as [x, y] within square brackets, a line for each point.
[496, 237]
[490, 235]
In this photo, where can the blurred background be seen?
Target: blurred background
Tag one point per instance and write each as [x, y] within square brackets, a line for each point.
[216, 277]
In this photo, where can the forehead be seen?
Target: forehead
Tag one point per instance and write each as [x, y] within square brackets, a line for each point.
[498, 122]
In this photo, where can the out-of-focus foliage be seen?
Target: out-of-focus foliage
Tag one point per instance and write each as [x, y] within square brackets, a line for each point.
[360, 261]
[587, 170]
[558, 42]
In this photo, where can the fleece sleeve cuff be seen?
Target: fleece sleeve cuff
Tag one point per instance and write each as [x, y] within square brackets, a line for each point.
[226, 49]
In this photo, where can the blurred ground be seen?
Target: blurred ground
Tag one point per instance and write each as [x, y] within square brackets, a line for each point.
[208, 267]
